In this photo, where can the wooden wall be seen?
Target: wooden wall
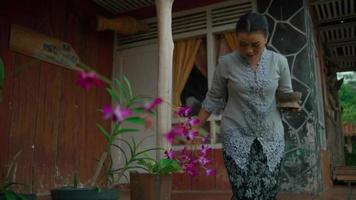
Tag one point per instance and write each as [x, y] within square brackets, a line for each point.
[44, 114]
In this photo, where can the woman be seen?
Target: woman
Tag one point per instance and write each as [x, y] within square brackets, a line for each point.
[245, 85]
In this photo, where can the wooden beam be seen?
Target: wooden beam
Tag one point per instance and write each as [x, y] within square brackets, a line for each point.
[165, 49]
[124, 25]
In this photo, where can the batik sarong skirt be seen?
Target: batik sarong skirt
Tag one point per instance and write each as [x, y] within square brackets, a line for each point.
[256, 182]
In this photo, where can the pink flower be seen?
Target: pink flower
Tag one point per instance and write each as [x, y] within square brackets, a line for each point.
[192, 170]
[153, 104]
[210, 172]
[170, 154]
[184, 111]
[191, 135]
[204, 160]
[171, 136]
[185, 156]
[205, 140]
[88, 79]
[205, 149]
[193, 122]
[117, 113]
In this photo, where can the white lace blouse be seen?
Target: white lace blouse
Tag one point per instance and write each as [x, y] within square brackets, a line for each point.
[250, 111]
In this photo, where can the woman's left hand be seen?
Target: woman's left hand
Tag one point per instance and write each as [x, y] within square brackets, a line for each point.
[295, 109]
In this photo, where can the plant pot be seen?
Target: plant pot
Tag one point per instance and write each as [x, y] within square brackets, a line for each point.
[28, 196]
[70, 193]
[150, 186]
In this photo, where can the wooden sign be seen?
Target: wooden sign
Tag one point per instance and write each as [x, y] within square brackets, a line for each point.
[42, 47]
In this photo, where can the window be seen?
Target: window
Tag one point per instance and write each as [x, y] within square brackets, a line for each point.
[196, 80]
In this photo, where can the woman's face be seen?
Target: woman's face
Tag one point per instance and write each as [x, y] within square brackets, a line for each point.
[251, 45]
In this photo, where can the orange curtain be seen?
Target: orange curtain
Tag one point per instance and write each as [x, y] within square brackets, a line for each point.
[185, 52]
[231, 40]
[201, 60]
[223, 47]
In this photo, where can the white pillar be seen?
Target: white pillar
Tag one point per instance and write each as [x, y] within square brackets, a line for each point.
[165, 49]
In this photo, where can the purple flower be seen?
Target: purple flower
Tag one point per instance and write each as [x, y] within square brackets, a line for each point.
[171, 136]
[170, 154]
[117, 114]
[192, 170]
[204, 160]
[193, 122]
[210, 172]
[88, 79]
[185, 156]
[205, 140]
[153, 104]
[205, 149]
[191, 135]
[184, 111]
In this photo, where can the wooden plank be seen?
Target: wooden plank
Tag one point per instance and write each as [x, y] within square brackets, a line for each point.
[6, 104]
[68, 152]
[47, 127]
[345, 171]
[326, 169]
[346, 177]
[24, 116]
[222, 179]
[181, 181]
[71, 122]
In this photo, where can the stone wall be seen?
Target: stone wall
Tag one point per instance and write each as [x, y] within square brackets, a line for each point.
[291, 34]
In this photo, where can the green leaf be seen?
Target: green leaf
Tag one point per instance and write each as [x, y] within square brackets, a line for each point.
[126, 130]
[9, 195]
[105, 133]
[21, 197]
[113, 94]
[134, 146]
[2, 77]
[135, 120]
[347, 95]
[169, 166]
[128, 86]
[122, 90]
[138, 110]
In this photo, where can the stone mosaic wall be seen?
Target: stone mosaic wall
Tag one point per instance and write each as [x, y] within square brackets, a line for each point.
[291, 34]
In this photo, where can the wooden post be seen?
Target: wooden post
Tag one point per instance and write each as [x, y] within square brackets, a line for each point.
[165, 49]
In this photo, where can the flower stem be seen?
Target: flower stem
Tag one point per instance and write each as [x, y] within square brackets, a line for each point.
[103, 157]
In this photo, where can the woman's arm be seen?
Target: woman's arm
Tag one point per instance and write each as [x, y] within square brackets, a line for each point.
[203, 116]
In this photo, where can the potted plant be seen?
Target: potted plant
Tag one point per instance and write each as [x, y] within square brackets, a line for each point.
[191, 159]
[127, 109]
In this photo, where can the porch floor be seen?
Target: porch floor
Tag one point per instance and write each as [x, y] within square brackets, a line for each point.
[335, 193]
